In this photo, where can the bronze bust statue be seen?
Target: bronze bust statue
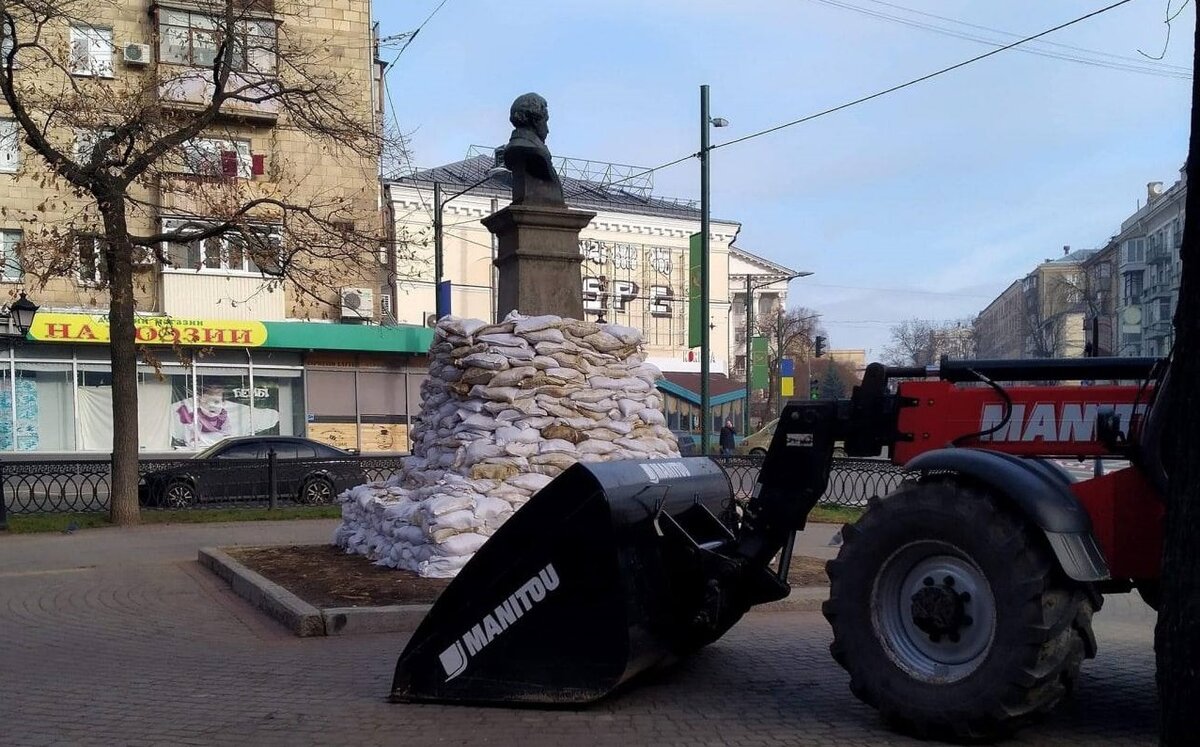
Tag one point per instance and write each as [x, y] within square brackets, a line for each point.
[535, 182]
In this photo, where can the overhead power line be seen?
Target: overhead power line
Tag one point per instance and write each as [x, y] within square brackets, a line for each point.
[413, 36]
[923, 78]
[1069, 53]
[884, 92]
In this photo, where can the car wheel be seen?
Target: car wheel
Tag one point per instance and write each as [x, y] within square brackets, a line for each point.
[179, 494]
[316, 491]
[758, 452]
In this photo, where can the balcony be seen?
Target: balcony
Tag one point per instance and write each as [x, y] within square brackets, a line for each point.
[191, 294]
[192, 89]
[189, 194]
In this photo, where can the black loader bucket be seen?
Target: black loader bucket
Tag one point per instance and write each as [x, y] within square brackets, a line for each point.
[606, 572]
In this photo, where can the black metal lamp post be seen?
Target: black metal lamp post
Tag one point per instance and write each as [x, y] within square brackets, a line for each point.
[20, 313]
[439, 303]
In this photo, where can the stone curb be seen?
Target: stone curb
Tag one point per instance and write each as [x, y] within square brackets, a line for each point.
[304, 619]
[399, 618]
[294, 613]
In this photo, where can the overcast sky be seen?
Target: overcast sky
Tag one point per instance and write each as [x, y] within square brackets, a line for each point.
[922, 204]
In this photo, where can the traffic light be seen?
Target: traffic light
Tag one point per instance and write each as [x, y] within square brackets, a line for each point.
[814, 388]
[819, 346]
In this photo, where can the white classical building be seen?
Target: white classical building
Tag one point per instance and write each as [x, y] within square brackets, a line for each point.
[635, 255]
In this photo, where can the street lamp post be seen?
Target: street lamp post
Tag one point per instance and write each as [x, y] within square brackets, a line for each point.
[705, 321]
[749, 331]
[20, 313]
[439, 303]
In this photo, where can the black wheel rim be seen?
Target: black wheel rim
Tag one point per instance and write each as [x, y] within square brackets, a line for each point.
[318, 492]
[179, 495]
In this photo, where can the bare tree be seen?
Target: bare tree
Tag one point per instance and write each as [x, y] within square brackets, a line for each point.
[1054, 314]
[789, 334]
[1177, 635]
[917, 342]
[118, 148]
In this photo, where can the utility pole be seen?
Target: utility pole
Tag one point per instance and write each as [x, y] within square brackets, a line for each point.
[749, 332]
[705, 316]
[438, 311]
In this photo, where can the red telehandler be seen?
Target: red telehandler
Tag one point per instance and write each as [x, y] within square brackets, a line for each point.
[961, 603]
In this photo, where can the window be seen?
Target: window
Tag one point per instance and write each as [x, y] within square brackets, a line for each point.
[194, 39]
[214, 157]
[1105, 270]
[10, 146]
[92, 267]
[228, 253]
[1164, 310]
[1135, 250]
[1133, 287]
[241, 451]
[10, 261]
[91, 51]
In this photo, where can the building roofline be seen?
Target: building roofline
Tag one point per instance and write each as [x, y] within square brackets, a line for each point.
[755, 258]
[579, 192]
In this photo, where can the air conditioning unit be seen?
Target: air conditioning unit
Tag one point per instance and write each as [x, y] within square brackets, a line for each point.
[385, 303]
[136, 54]
[431, 320]
[358, 303]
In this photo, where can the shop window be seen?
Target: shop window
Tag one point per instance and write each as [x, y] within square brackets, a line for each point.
[45, 421]
[224, 406]
[383, 423]
[283, 392]
[332, 416]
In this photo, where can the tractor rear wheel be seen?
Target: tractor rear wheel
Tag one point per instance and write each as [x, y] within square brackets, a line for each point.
[952, 616]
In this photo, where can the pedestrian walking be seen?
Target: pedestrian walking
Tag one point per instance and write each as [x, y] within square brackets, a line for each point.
[727, 442]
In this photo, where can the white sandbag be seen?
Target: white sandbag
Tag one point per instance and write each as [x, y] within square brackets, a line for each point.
[529, 482]
[654, 417]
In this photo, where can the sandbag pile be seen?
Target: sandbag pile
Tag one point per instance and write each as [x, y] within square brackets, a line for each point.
[506, 408]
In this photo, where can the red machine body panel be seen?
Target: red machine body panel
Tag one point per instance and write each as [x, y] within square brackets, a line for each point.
[1127, 519]
[1049, 421]
[1054, 421]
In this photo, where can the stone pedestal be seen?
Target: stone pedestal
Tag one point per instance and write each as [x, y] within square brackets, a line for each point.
[538, 259]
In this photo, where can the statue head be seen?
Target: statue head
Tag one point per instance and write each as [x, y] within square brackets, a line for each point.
[531, 111]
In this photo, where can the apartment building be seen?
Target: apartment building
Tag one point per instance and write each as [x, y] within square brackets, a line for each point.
[1148, 269]
[1039, 316]
[228, 350]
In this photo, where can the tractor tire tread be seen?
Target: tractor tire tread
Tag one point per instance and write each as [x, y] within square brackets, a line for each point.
[1051, 635]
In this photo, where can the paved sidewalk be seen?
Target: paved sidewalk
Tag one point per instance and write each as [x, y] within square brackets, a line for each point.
[118, 637]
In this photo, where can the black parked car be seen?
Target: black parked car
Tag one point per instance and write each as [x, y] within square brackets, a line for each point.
[307, 472]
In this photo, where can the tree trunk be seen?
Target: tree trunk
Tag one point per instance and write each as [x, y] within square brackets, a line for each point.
[123, 498]
[1177, 636]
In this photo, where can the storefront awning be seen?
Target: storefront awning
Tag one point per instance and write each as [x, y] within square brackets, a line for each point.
[51, 326]
[686, 386]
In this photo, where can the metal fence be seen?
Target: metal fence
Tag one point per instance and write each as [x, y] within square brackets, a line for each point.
[66, 486]
[852, 482]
